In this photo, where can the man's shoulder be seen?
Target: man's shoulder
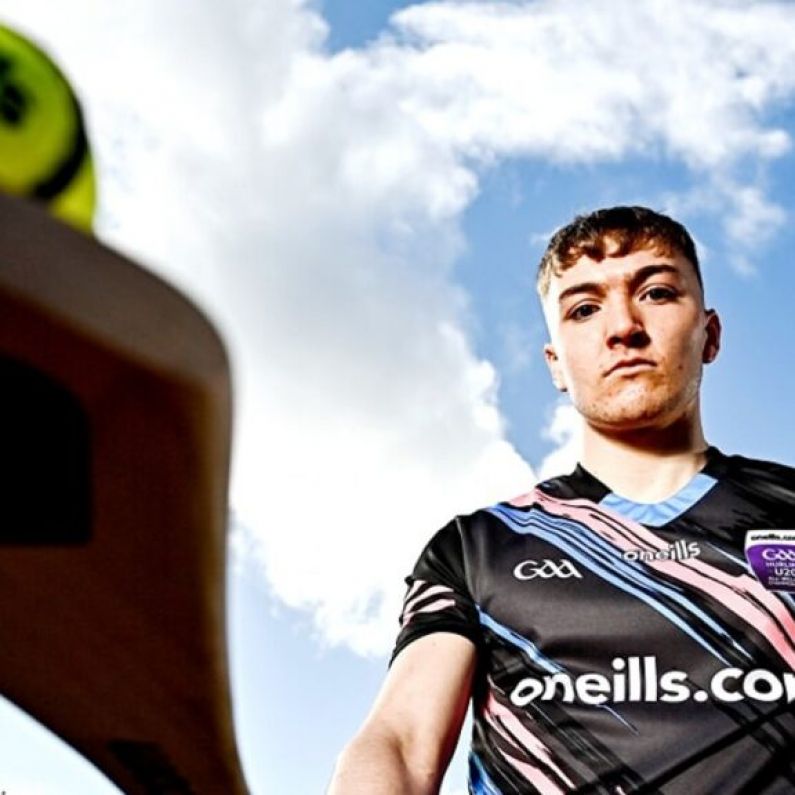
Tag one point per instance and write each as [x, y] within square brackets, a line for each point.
[539, 491]
[741, 466]
[755, 484]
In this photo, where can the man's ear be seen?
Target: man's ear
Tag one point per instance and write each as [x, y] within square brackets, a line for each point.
[712, 344]
[551, 358]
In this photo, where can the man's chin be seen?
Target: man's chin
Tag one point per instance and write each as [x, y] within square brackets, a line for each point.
[635, 417]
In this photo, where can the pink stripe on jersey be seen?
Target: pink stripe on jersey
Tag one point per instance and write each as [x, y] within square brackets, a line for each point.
[744, 596]
[512, 729]
[523, 500]
[434, 590]
[414, 588]
[536, 777]
[434, 607]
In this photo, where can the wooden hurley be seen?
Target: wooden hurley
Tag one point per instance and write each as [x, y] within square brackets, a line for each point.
[114, 463]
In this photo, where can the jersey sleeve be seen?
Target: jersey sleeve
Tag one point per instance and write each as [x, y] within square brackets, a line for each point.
[438, 598]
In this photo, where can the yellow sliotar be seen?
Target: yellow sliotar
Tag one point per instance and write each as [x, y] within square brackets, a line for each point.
[44, 151]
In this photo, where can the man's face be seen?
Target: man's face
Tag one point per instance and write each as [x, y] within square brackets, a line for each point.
[629, 336]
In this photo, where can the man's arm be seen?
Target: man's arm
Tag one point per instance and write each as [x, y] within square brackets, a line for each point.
[407, 740]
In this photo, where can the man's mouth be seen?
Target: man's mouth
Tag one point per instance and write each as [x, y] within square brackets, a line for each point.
[631, 365]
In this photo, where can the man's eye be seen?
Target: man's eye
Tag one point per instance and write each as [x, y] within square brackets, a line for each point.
[660, 293]
[582, 311]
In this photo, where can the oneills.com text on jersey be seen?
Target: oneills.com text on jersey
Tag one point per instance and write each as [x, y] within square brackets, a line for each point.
[637, 679]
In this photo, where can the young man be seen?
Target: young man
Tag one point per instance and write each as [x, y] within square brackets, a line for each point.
[606, 625]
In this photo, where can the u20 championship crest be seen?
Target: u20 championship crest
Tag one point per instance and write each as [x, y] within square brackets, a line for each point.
[771, 555]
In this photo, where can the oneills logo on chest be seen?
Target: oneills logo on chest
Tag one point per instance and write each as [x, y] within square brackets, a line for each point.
[545, 569]
[681, 550]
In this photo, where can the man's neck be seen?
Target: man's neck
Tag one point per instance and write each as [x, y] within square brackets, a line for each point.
[649, 465]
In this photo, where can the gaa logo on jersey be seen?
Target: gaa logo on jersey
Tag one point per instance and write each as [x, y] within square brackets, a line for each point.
[545, 569]
[771, 555]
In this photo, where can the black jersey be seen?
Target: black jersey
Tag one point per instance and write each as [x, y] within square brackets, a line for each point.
[622, 647]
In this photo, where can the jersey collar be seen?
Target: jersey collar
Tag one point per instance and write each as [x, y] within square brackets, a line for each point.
[582, 483]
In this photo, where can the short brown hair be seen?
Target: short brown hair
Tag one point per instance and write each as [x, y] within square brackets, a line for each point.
[630, 228]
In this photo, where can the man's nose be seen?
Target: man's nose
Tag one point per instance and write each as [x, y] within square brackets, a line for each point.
[625, 324]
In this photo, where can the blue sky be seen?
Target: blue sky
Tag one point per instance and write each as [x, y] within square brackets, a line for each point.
[360, 206]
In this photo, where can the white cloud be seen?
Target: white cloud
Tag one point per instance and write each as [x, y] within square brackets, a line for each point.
[28, 786]
[627, 75]
[565, 429]
[751, 218]
[577, 82]
[756, 219]
[364, 419]
[311, 202]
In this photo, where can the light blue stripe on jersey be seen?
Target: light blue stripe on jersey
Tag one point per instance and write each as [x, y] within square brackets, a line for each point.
[479, 780]
[656, 514]
[527, 646]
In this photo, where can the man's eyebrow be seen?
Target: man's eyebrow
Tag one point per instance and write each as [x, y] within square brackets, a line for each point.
[593, 288]
[646, 271]
[635, 279]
